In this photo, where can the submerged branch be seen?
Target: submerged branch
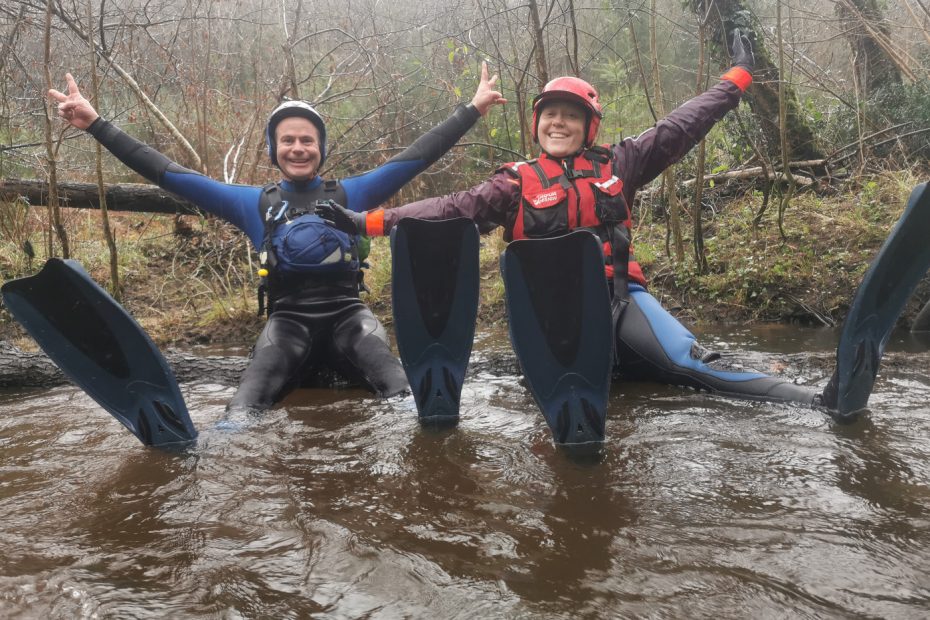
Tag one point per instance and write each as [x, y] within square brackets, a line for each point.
[22, 369]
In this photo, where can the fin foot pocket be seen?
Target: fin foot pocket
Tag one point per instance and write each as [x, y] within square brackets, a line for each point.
[143, 430]
[438, 401]
[453, 388]
[168, 416]
[425, 389]
[579, 422]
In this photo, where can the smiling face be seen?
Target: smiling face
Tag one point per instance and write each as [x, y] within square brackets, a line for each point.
[561, 128]
[297, 143]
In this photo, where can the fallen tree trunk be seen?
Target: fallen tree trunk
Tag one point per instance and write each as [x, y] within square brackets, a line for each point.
[23, 369]
[749, 173]
[134, 197]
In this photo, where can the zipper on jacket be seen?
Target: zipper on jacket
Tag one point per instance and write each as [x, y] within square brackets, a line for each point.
[571, 180]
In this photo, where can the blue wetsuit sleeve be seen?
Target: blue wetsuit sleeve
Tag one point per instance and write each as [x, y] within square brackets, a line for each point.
[237, 204]
[370, 189]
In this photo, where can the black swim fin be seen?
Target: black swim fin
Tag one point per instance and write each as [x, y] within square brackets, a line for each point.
[435, 304]
[558, 306]
[102, 349]
[887, 285]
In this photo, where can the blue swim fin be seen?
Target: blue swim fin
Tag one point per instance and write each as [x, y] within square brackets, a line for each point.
[887, 285]
[558, 307]
[102, 349]
[435, 304]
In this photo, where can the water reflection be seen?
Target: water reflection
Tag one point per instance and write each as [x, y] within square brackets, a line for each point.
[583, 511]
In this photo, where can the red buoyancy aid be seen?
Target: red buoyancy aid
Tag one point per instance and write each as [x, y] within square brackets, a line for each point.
[558, 196]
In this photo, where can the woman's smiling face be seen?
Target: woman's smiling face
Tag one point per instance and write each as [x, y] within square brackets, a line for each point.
[561, 128]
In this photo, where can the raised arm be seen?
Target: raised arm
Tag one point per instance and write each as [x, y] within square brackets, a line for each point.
[641, 159]
[368, 190]
[234, 203]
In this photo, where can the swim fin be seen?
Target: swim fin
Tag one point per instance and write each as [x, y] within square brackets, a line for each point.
[887, 285]
[435, 304]
[558, 306]
[102, 349]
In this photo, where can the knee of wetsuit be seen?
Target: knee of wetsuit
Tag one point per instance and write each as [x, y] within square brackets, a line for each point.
[362, 353]
[284, 333]
[279, 353]
[357, 327]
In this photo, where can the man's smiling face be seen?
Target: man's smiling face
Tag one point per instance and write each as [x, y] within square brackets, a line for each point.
[297, 143]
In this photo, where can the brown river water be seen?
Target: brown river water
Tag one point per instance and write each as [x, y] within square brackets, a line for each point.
[337, 505]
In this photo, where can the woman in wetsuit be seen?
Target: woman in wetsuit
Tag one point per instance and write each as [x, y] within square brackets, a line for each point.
[575, 183]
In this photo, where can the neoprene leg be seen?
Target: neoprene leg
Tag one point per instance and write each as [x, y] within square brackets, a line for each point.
[277, 360]
[361, 352]
[653, 345]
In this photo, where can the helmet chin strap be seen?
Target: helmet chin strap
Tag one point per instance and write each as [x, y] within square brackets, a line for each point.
[570, 156]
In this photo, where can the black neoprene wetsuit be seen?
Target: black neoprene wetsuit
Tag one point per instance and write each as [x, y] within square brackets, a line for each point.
[317, 318]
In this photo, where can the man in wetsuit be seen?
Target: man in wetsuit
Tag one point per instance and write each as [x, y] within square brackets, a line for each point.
[312, 269]
[577, 184]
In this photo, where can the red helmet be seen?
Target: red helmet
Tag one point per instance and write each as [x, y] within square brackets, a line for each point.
[577, 91]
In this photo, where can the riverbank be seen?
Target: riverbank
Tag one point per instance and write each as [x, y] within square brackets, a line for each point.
[191, 281]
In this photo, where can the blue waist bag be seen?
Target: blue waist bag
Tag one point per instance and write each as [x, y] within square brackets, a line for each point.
[307, 244]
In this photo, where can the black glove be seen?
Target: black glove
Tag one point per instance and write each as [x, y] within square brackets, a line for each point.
[741, 49]
[339, 217]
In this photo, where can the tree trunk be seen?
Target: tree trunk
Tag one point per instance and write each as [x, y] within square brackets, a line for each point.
[542, 71]
[22, 369]
[51, 159]
[108, 234]
[868, 37]
[668, 175]
[133, 197]
[762, 96]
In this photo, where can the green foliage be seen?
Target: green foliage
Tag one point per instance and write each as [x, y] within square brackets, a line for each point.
[216, 70]
[15, 236]
[378, 274]
[907, 105]
[754, 275]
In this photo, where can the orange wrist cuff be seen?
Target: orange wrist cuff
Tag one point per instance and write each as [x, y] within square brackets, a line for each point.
[374, 223]
[738, 76]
